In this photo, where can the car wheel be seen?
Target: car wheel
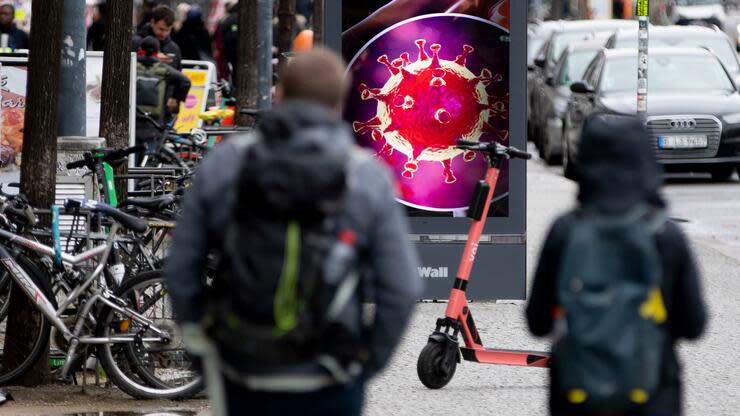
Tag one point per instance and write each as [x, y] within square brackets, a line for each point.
[546, 152]
[722, 173]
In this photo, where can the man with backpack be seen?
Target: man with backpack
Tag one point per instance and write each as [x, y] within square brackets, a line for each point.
[309, 235]
[616, 283]
[159, 90]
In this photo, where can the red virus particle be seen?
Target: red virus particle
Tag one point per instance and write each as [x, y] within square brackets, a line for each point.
[427, 105]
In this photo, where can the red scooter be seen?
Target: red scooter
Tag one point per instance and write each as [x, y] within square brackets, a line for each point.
[438, 360]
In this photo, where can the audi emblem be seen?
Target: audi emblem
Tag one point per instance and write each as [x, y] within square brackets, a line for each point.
[683, 124]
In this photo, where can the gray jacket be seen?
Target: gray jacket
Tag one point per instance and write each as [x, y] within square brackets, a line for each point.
[372, 211]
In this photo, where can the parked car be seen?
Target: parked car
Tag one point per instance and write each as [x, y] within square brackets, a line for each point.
[565, 34]
[556, 93]
[693, 107]
[684, 36]
[537, 34]
[706, 12]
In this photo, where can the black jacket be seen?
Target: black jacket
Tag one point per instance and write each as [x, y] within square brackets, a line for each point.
[194, 41]
[18, 39]
[618, 171]
[167, 46]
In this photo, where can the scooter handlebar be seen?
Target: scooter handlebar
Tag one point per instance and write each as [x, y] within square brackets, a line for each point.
[493, 149]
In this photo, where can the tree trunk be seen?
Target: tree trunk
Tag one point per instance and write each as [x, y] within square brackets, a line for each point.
[247, 81]
[318, 22]
[114, 102]
[39, 160]
[286, 22]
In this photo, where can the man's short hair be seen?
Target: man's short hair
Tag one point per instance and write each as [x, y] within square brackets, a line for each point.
[9, 6]
[163, 12]
[317, 75]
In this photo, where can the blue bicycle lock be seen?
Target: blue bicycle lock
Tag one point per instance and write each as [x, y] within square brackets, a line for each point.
[55, 235]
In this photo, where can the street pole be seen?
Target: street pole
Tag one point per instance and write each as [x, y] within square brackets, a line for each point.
[73, 114]
[254, 58]
[643, 17]
[318, 22]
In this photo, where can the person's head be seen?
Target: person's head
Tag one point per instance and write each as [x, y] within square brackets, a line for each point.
[317, 75]
[100, 11]
[616, 166]
[7, 14]
[163, 18]
[149, 46]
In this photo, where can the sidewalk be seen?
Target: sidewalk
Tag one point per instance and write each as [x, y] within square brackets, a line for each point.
[57, 400]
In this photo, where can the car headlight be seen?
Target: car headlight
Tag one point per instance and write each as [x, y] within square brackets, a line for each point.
[732, 118]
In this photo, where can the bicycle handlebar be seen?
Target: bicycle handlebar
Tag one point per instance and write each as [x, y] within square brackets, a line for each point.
[493, 149]
[107, 156]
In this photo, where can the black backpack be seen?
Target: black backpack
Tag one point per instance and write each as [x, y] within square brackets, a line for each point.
[151, 89]
[289, 264]
[608, 285]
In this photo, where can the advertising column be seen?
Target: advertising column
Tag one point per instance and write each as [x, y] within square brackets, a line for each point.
[425, 74]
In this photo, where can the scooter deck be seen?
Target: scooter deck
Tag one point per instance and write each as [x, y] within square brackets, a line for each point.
[506, 357]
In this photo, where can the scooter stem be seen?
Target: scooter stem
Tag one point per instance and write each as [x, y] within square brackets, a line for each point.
[457, 296]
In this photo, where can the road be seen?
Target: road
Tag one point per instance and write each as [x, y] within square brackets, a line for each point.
[709, 214]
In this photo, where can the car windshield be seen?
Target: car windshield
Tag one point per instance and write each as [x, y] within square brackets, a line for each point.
[562, 40]
[697, 2]
[575, 65]
[681, 73]
[533, 46]
[718, 45]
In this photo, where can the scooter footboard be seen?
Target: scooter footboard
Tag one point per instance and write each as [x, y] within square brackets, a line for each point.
[507, 357]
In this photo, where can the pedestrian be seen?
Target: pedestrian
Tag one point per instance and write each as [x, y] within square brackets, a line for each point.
[160, 26]
[96, 31]
[159, 90]
[193, 37]
[11, 37]
[225, 41]
[616, 283]
[298, 214]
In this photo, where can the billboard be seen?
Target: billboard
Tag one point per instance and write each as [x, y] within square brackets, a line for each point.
[424, 74]
[439, 73]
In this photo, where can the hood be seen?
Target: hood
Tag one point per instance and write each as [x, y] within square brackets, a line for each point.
[616, 167]
[297, 118]
[672, 103]
[700, 11]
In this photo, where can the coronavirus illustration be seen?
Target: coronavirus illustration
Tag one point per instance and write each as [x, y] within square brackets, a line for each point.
[428, 104]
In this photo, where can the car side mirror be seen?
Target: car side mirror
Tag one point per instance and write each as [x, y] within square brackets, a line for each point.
[540, 62]
[580, 87]
[531, 68]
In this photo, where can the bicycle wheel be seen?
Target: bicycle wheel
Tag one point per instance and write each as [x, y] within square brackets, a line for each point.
[36, 336]
[147, 370]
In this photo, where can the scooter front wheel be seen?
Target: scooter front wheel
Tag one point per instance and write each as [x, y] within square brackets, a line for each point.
[433, 368]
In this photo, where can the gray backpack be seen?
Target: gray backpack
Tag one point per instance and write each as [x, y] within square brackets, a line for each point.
[608, 286]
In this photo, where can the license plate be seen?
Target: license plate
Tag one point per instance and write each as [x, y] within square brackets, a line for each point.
[696, 141]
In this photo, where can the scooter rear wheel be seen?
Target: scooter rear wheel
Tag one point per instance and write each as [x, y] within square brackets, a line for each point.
[430, 366]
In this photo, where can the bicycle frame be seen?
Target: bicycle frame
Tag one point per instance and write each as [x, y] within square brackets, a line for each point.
[44, 305]
[458, 316]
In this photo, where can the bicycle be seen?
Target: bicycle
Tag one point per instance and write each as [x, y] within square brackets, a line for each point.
[438, 359]
[132, 328]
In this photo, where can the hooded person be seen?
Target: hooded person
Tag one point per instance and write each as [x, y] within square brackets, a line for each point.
[618, 174]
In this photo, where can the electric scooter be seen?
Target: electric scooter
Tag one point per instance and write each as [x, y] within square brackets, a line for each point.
[438, 360]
